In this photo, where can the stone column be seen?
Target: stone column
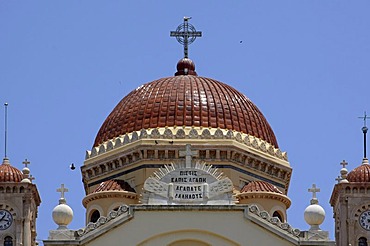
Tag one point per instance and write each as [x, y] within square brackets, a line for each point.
[27, 232]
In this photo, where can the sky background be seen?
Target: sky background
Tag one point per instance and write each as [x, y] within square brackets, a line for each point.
[64, 65]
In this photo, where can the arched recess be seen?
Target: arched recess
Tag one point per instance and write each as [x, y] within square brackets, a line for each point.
[8, 241]
[279, 215]
[175, 238]
[94, 216]
[93, 212]
[115, 206]
[362, 241]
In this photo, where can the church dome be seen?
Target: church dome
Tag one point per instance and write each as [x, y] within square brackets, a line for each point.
[360, 174]
[9, 173]
[185, 100]
[260, 186]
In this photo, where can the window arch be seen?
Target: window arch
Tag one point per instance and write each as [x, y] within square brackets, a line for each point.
[362, 241]
[94, 216]
[8, 241]
[278, 214]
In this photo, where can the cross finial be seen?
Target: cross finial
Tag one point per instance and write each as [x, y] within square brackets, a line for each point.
[185, 34]
[31, 178]
[62, 190]
[344, 163]
[314, 190]
[26, 162]
[365, 117]
[338, 179]
[188, 153]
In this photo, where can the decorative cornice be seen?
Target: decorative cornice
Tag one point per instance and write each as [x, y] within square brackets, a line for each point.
[265, 195]
[122, 211]
[274, 221]
[126, 212]
[171, 133]
[108, 194]
[21, 188]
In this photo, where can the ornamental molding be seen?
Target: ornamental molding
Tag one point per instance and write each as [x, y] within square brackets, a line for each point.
[108, 194]
[251, 212]
[173, 133]
[275, 222]
[122, 212]
[265, 195]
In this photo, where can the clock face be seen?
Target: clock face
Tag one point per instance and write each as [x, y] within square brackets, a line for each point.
[365, 220]
[6, 219]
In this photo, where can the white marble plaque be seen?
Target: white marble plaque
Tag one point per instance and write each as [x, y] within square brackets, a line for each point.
[176, 184]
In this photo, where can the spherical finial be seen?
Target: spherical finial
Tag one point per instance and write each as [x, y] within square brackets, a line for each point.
[62, 215]
[185, 67]
[26, 174]
[314, 215]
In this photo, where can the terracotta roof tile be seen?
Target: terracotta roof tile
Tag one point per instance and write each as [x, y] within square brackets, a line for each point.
[185, 100]
[260, 186]
[9, 173]
[114, 185]
[360, 174]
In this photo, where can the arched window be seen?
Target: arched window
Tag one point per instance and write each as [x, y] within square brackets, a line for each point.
[95, 216]
[362, 241]
[8, 241]
[277, 214]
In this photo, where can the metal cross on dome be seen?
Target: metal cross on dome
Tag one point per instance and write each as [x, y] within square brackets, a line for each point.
[186, 34]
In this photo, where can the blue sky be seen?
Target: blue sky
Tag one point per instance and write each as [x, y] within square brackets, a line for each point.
[64, 65]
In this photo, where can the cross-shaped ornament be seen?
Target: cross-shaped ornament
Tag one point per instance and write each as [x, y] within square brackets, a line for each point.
[31, 178]
[365, 117]
[62, 189]
[338, 179]
[314, 190]
[26, 162]
[188, 153]
[185, 34]
[344, 163]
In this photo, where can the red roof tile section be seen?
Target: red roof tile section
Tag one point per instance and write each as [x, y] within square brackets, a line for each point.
[360, 174]
[260, 186]
[185, 100]
[114, 185]
[9, 173]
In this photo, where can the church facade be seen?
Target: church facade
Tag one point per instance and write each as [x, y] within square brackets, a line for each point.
[186, 160]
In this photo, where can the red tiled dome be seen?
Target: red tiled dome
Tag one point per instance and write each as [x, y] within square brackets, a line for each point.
[9, 173]
[260, 186]
[360, 174]
[114, 185]
[185, 100]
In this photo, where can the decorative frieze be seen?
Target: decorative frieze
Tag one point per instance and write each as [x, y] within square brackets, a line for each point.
[190, 133]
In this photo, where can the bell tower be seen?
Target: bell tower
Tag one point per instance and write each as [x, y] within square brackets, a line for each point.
[19, 202]
[351, 202]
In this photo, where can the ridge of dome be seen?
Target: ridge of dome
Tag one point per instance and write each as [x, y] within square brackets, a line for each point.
[8, 173]
[260, 186]
[185, 101]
